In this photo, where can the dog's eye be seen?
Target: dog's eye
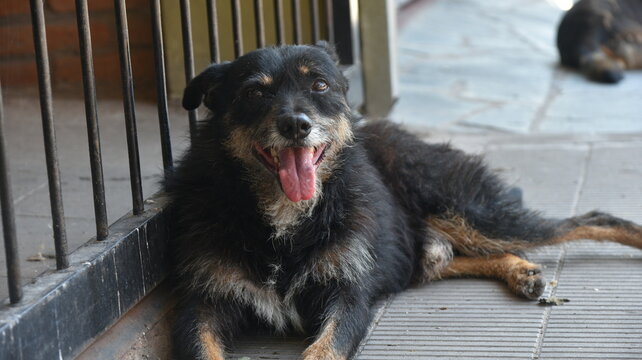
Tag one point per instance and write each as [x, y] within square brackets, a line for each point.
[320, 85]
[254, 93]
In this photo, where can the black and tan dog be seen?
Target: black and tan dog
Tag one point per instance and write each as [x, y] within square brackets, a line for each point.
[602, 38]
[291, 216]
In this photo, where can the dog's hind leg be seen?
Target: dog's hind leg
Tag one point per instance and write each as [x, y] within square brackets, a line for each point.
[436, 254]
[489, 256]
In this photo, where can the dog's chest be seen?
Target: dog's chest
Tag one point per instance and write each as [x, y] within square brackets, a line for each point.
[272, 295]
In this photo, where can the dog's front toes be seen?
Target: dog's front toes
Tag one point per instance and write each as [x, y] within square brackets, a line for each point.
[526, 280]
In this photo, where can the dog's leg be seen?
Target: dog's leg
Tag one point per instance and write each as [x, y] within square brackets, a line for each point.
[344, 326]
[487, 256]
[437, 253]
[201, 331]
[522, 277]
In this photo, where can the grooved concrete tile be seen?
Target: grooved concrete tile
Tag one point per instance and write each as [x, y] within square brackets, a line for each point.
[603, 320]
[459, 318]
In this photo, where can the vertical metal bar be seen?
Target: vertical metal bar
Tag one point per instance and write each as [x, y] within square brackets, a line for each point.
[314, 17]
[188, 57]
[237, 28]
[49, 132]
[89, 86]
[127, 80]
[278, 17]
[260, 24]
[161, 86]
[212, 22]
[329, 13]
[296, 21]
[8, 219]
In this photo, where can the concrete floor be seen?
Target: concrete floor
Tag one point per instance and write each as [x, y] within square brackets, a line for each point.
[484, 76]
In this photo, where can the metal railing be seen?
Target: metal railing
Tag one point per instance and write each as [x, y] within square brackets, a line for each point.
[129, 105]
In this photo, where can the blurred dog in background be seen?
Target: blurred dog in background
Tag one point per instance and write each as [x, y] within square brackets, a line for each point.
[602, 38]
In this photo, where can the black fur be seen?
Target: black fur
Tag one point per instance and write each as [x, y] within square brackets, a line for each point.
[364, 237]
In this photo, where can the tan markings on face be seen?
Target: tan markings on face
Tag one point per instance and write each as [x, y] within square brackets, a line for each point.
[339, 131]
[211, 348]
[323, 347]
[304, 69]
[283, 214]
[265, 79]
[240, 144]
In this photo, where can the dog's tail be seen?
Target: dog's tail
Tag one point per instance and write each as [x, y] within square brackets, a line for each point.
[470, 241]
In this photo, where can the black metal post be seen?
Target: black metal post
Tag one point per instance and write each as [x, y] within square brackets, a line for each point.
[127, 80]
[8, 219]
[296, 21]
[237, 28]
[49, 132]
[278, 17]
[188, 56]
[212, 22]
[314, 19]
[89, 85]
[329, 16]
[161, 86]
[260, 24]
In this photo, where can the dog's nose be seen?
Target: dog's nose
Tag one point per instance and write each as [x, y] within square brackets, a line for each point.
[294, 127]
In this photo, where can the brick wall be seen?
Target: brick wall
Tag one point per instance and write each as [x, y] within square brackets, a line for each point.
[17, 59]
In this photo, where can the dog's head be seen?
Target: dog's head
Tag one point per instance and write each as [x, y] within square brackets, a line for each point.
[284, 112]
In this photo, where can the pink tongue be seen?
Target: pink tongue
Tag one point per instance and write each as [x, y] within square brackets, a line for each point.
[296, 172]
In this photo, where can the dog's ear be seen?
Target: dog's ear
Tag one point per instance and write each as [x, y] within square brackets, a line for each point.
[201, 84]
[330, 49]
